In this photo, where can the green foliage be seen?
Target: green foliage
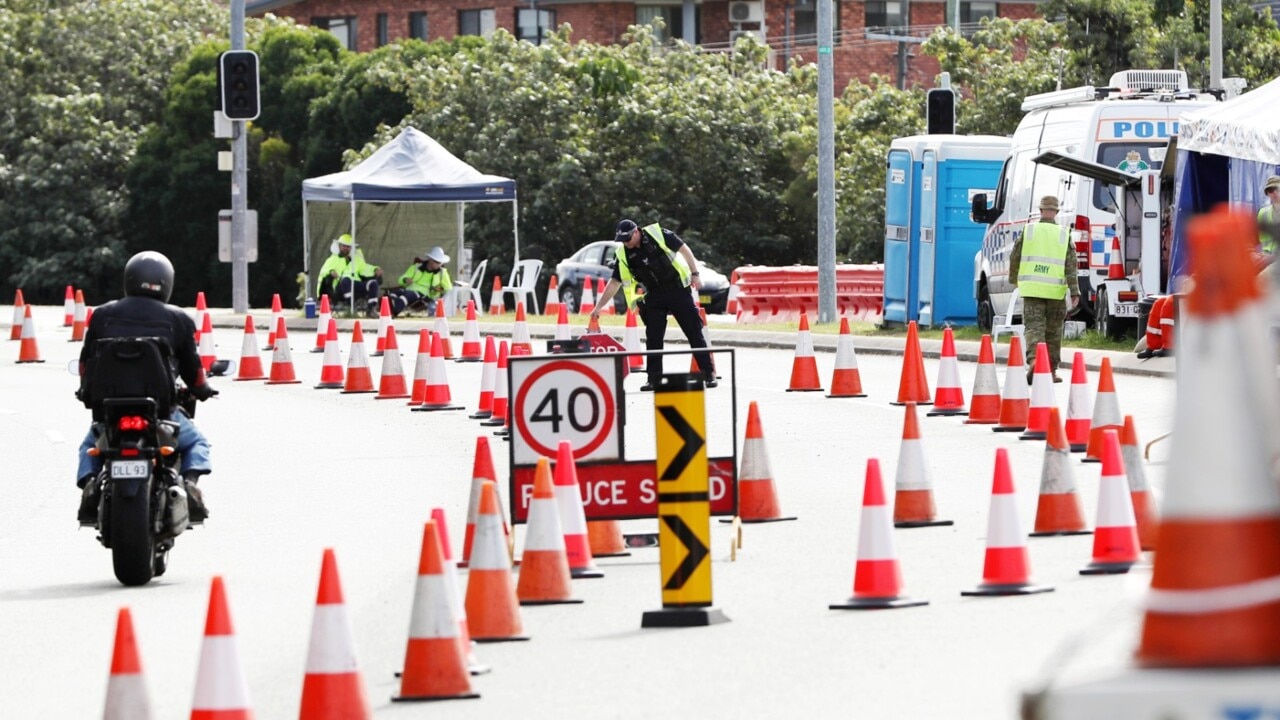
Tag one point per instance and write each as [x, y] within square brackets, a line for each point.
[1250, 45]
[1105, 36]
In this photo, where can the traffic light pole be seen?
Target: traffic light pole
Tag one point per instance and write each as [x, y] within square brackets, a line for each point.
[239, 185]
[826, 167]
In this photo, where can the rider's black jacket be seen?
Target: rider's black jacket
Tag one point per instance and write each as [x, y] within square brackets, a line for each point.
[141, 316]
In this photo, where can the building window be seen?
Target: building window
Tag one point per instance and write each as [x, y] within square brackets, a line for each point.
[344, 28]
[673, 17]
[886, 16]
[476, 22]
[382, 29]
[971, 13]
[804, 27]
[418, 26]
[534, 25]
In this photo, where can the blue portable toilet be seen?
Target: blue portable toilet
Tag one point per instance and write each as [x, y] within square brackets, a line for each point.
[930, 241]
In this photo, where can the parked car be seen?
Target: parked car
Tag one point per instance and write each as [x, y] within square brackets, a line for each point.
[591, 261]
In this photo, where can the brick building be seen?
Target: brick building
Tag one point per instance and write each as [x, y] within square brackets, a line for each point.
[789, 27]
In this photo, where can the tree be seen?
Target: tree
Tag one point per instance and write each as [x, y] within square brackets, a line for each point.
[1250, 43]
[1104, 36]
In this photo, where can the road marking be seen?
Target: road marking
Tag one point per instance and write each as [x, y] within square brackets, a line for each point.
[54, 436]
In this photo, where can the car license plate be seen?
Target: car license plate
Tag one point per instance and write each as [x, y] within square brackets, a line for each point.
[704, 299]
[1126, 310]
[128, 469]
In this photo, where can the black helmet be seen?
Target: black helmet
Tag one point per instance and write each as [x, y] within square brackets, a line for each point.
[150, 274]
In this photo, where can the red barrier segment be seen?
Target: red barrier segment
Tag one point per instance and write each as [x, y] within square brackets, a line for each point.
[781, 294]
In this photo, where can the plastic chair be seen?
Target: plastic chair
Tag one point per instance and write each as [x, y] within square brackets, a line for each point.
[524, 281]
[1007, 326]
[469, 287]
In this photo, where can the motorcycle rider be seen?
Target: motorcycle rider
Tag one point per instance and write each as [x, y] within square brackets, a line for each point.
[144, 312]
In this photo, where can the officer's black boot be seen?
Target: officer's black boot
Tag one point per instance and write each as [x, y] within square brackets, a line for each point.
[89, 499]
[196, 509]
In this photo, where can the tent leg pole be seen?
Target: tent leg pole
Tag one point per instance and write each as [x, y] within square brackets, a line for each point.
[515, 227]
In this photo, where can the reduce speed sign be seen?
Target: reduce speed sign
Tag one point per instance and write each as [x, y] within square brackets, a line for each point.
[557, 399]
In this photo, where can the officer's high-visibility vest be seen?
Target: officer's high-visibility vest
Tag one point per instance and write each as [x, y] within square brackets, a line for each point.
[1042, 273]
[1268, 229]
[624, 269]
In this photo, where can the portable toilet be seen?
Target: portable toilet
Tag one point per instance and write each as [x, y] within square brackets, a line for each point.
[929, 239]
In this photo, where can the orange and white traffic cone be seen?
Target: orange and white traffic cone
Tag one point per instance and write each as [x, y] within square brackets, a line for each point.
[481, 472]
[544, 566]
[282, 372]
[488, 375]
[29, 351]
[202, 310]
[913, 504]
[1144, 503]
[1215, 590]
[562, 324]
[277, 314]
[384, 324]
[15, 329]
[78, 319]
[1106, 413]
[1115, 261]
[731, 303]
[520, 342]
[88, 317]
[948, 398]
[221, 691]
[69, 307]
[1058, 510]
[593, 325]
[441, 328]
[435, 661]
[1015, 403]
[497, 306]
[877, 579]
[609, 309]
[359, 377]
[207, 352]
[455, 592]
[913, 386]
[500, 401]
[493, 611]
[846, 381]
[418, 391]
[606, 539]
[573, 519]
[757, 497]
[471, 351]
[1041, 397]
[551, 302]
[1006, 569]
[984, 406]
[631, 342]
[804, 368]
[1115, 536]
[322, 324]
[332, 687]
[127, 697]
[437, 396]
[391, 382]
[1079, 406]
[588, 302]
[250, 367]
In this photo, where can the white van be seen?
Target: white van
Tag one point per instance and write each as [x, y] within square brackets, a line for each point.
[1126, 125]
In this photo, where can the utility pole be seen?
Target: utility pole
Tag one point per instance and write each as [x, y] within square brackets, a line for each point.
[902, 41]
[1215, 44]
[826, 168]
[239, 185]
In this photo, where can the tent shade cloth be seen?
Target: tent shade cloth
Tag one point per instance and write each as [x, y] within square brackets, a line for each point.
[1244, 127]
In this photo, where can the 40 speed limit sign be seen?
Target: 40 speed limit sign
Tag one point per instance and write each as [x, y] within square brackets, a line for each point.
[573, 399]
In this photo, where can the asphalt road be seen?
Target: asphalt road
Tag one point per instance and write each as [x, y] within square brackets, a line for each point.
[299, 470]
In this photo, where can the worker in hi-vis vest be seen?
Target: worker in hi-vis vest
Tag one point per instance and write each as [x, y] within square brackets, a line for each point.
[664, 266]
[1269, 217]
[1043, 264]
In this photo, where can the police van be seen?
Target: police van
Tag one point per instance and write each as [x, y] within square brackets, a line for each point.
[1126, 125]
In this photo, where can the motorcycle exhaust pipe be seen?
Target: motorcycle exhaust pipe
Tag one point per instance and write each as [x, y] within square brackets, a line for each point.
[177, 515]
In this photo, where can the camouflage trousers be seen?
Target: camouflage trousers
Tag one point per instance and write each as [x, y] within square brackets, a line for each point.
[1042, 320]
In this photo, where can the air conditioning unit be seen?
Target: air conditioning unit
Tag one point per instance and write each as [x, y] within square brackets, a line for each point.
[735, 34]
[746, 11]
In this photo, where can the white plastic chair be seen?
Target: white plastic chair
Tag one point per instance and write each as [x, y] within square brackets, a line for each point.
[1007, 327]
[469, 287]
[524, 281]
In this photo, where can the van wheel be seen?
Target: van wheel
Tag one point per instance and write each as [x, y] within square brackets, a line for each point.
[986, 311]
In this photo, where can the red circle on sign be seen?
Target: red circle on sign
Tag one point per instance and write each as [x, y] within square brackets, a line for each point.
[581, 369]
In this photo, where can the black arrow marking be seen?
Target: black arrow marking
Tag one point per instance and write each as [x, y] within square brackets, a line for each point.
[697, 552]
[692, 442]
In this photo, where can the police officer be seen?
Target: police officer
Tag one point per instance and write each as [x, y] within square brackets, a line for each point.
[144, 312]
[426, 279]
[346, 273]
[664, 265]
[1043, 263]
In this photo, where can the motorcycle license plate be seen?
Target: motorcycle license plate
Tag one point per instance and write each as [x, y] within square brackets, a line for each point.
[128, 469]
[704, 299]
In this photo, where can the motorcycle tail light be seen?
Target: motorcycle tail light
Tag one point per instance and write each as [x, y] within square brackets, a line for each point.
[129, 452]
[132, 422]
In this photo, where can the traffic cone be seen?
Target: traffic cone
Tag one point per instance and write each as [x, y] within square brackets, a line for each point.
[442, 330]
[78, 319]
[757, 497]
[1079, 406]
[544, 566]
[331, 375]
[391, 383]
[573, 519]
[631, 342]
[69, 307]
[88, 317]
[1015, 403]
[493, 611]
[500, 405]
[281, 359]
[804, 368]
[1058, 510]
[948, 398]
[1007, 567]
[1115, 538]
[1041, 397]
[607, 309]
[15, 329]
[322, 324]
[455, 592]
[1144, 504]
[497, 306]
[202, 309]
[359, 377]
[1106, 413]
[984, 406]
[277, 314]
[877, 579]
[384, 325]
[706, 335]
[250, 367]
[731, 304]
[520, 342]
[29, 351]
[605, 538]
[913, 385]
[437, 395]
[845, 379]
[221, 691]
[913, 500]
[551, 302]
[208, 355]
[471, 351]
[1115, 263]
[588, 303]
[332, 687]
[593, 325]
[418, 394]
[481, 472]
[488, 375]
[1213, 601]
[127, 697]
[562, 324]
[435, 661]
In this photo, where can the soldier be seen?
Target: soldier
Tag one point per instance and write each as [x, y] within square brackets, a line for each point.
[1043, 263]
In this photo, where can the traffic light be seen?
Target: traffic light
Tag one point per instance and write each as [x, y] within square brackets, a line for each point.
[940, 111]
[238, 84]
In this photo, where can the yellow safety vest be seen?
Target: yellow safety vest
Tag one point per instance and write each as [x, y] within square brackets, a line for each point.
[1268, 229]
[628, 280]
[1042, 272]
